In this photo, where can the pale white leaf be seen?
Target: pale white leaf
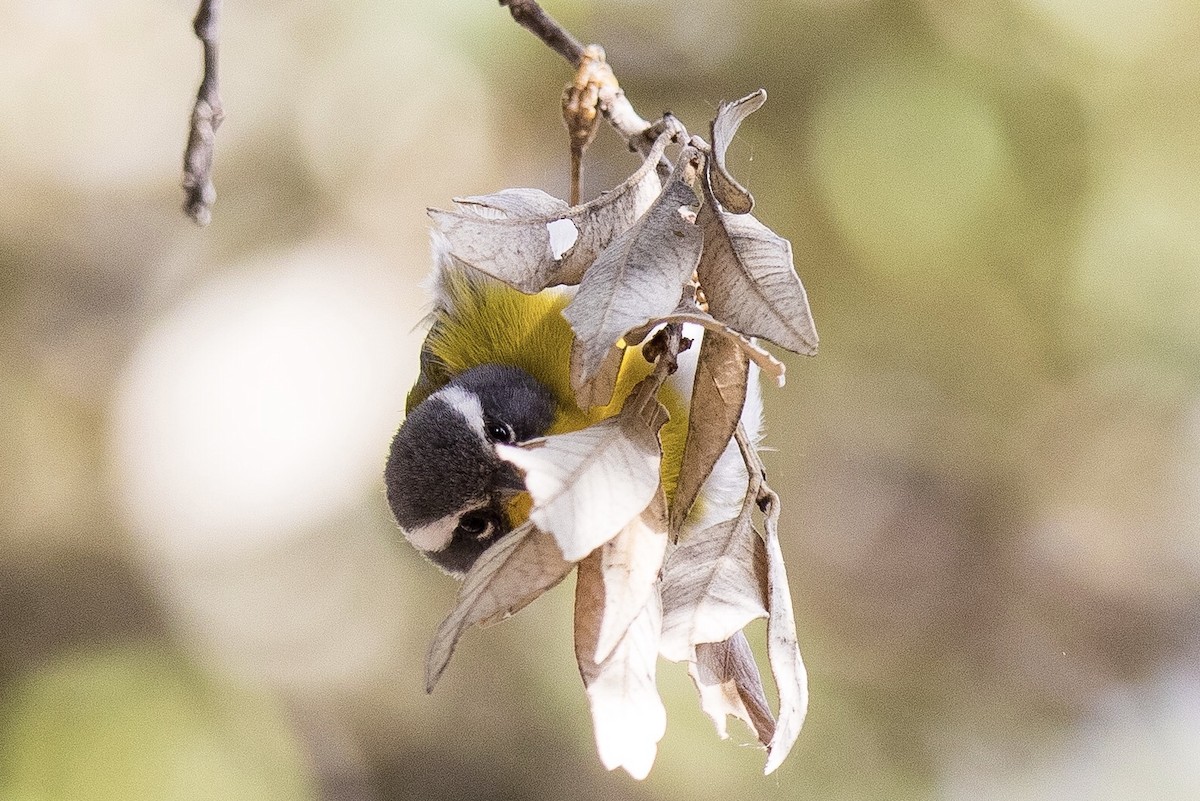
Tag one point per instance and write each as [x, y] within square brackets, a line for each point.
[718, 395]
[728, 681]
[628, 716]
[511, 203]
[750, 282]
[589, 484]
[732, 195]
[713, 584]
[630, 563]
[783, 651]
[637, 278]
[510, 574]
[516, 235]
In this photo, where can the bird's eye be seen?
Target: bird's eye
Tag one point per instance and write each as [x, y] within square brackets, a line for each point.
[476, 524]
[498, 431]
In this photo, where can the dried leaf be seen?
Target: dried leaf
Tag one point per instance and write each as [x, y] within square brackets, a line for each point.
[750, 282]
[642, 403]
[512, 203]
[727, 678]
[688, 312]
[516, 235]
[627, 713]
[718, 395]
[636, 279]
[713, 584]
[599, 390]
[783, 651]
[587, 485]
[517, 569]
[630, 563]
[730, 116]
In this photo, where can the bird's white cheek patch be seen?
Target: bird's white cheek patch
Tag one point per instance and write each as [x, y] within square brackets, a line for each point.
[433, 536]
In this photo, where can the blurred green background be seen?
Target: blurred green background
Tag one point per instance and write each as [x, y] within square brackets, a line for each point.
[990, 475]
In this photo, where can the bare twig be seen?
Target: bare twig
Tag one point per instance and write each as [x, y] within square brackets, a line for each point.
[206, 118]
[639, 134]
[530, 15]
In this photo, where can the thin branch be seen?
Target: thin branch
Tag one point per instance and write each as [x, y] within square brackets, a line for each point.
[529, 15]
[639, 134]
[206, 118]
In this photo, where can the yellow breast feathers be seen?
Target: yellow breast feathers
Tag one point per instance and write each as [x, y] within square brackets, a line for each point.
[483, 321]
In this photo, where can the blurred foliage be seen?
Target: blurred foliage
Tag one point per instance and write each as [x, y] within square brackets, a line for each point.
[990, 475]
[131, 723]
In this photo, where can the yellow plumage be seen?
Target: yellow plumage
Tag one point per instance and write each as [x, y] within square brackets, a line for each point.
[482, 321]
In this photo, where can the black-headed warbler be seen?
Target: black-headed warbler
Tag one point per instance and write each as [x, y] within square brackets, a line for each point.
[542, 437]
[495, 370]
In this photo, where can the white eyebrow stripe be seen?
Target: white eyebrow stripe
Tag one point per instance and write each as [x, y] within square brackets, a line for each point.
[433, 536]
[467, 405]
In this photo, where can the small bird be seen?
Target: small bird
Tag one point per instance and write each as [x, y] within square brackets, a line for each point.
[495, 369]
[446, 485]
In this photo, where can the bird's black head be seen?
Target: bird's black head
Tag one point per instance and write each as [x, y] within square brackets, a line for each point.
[447, 487]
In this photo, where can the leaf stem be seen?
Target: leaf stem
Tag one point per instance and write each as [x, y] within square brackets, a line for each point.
[755, 470]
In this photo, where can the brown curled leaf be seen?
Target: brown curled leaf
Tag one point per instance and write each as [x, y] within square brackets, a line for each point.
[783, 651]
[718, 396]
[598, 390]
[713, 585]
[728, 681]
[730, 116]
[750, 281]
[510, 204]
[508, 576]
